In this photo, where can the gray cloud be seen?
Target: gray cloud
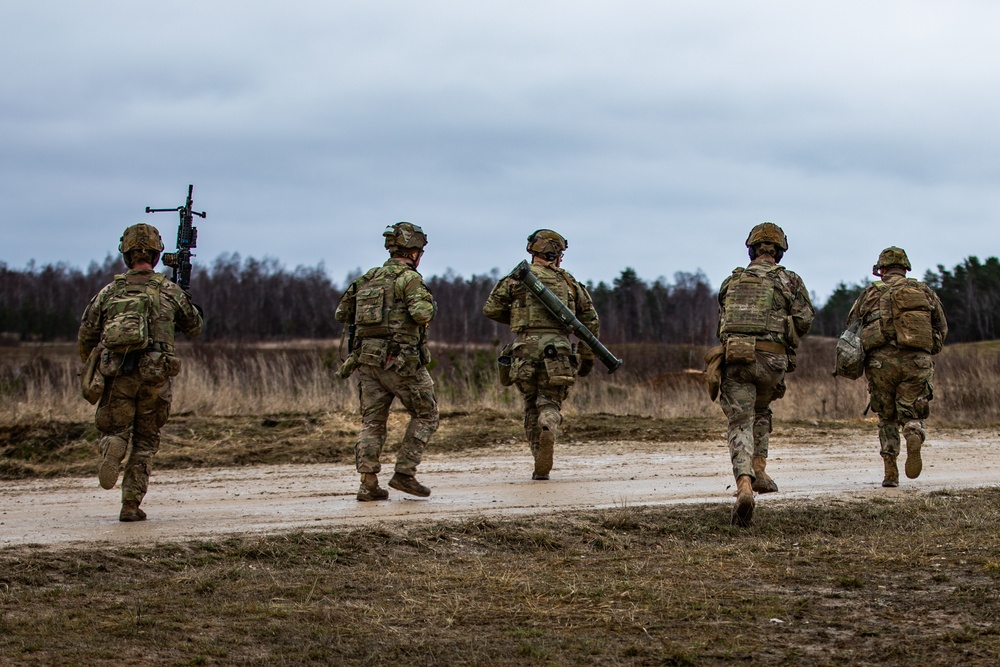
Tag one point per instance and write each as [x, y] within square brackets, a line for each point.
[653, 135]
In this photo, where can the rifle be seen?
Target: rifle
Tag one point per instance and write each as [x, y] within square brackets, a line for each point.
[187, 238]
[522, 273]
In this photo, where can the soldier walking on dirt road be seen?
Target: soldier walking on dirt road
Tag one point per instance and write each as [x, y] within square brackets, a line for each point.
[543, 361]
[389, 309]
[126, 337]
[763, 311]
[902, 326]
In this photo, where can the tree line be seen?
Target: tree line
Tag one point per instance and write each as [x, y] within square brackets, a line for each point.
[259, 299]
[969, 293]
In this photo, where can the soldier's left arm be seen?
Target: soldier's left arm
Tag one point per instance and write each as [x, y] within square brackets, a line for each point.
[419, 300]
[722, 306]
[585, 311]
[939, 323]
[187, 316]
[89, 334]
[345, 309]
[497, 306]
[801, 308]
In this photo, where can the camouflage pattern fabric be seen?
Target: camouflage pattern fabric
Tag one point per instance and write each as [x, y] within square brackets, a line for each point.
[412, 304]
[788, 299]
[543, 386]
[748, 389]
[900, 381]
[376, 389]
[392, 365]
[175, 312]
[134, 409]
[135, 404]
[746, 395]
[872, 301]
[901, 386]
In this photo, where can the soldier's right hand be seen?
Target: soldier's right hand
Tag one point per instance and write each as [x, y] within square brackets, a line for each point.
[586, 365]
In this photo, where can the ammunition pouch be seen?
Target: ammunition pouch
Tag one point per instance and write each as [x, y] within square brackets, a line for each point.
[522, 367]
[792, 361]
[373, 352]
[560, 364]
[850, 360]
[872, 337]
[713, 370]
[91, 381]
[741, 350]
[112, 364]
[153, 367]
[504, 363]
[348, 367]
[404, 360]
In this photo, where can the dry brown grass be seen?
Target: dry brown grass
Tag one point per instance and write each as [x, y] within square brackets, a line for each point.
[909, 582]
[38, 384]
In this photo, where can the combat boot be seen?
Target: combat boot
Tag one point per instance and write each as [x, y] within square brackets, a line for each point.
[114, 452]
[743, 509]
[914, 464]
[762, 482]
[543, 458]
[131, 512]
[891, 472]
[369, 489]
[408, 484]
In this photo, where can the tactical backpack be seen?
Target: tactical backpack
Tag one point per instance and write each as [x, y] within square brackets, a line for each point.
[749, 304]
[377, 312]
[129, 314]
[903, 315]
[374, 299]
[528, 312]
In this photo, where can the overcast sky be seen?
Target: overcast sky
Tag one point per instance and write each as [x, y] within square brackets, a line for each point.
[652, 134]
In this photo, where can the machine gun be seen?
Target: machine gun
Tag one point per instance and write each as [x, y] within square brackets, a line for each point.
[187, 238]
[522, 273]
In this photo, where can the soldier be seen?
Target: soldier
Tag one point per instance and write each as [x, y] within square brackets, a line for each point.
[763, 311]
[391, 307]
[129, 328]
[903, 324]
[544, 363]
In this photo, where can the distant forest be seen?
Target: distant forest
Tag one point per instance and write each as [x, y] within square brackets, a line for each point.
[254, 300]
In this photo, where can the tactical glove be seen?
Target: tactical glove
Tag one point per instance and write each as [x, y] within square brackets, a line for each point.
[586, 365]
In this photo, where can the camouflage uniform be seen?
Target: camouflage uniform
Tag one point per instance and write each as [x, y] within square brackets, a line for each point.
[135, 402]
[390, 354]
[900, 373]
[544, 361]
[763, 311]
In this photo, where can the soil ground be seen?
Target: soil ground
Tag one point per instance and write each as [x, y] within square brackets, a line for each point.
[625, 557]
[806, 461]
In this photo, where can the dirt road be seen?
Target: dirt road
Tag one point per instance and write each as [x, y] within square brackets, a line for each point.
[209, 503]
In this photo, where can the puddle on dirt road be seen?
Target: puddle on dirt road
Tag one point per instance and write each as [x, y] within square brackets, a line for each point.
[194, 504]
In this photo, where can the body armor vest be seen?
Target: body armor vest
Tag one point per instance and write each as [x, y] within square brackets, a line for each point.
[378, 313]
[133, 318]
[528, 313]
[755, 304]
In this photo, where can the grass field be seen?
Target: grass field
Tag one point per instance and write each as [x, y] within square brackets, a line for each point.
[905, 581]
[839, 583]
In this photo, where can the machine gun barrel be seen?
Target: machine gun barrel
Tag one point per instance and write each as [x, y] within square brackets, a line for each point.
[187, 238]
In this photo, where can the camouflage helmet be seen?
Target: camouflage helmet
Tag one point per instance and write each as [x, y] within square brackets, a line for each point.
[768, 232]
[404, 235]
[891, 256]
[546, 242]
[141, 237]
